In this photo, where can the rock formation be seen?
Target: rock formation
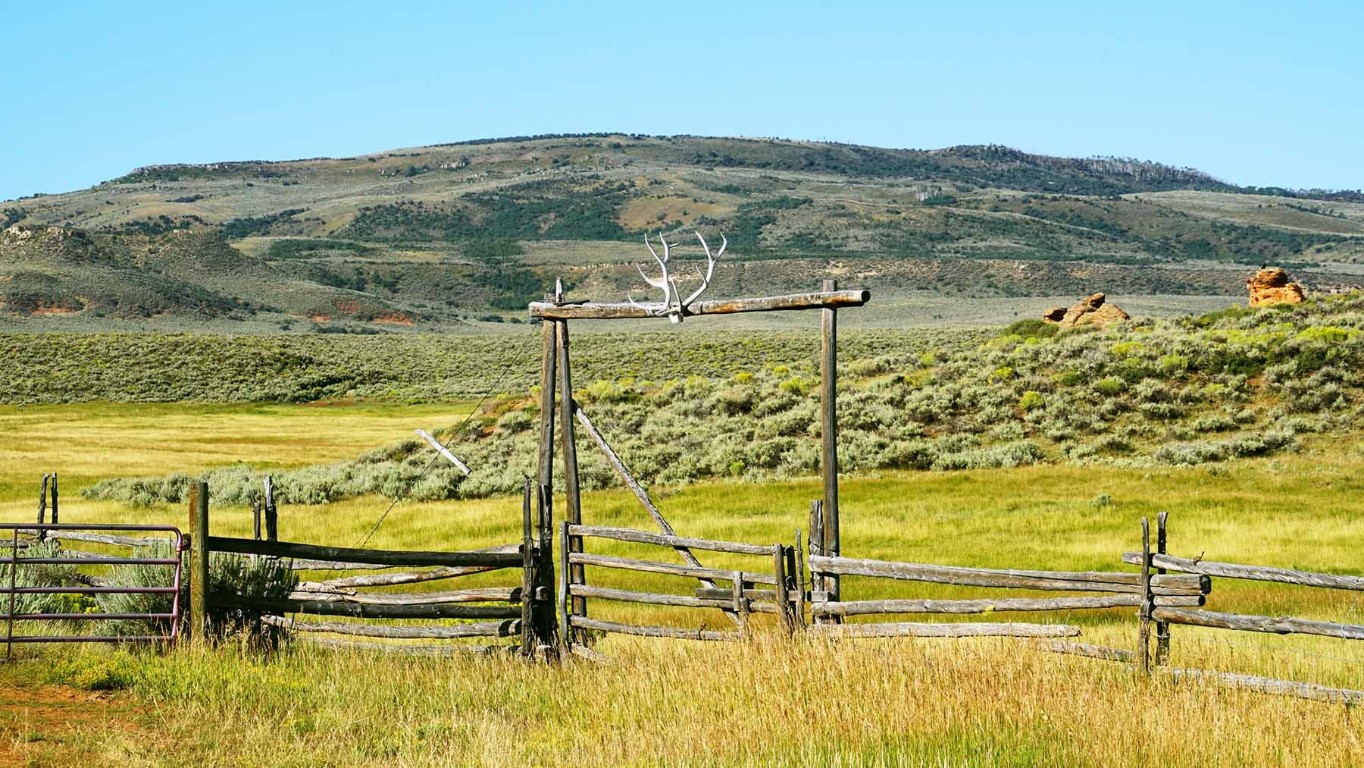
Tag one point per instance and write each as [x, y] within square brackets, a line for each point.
[1271, 286]
[1090, 311]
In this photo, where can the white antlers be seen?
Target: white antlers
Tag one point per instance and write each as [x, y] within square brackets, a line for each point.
[673, 305]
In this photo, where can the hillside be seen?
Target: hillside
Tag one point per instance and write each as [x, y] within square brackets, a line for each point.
[462, 232]
[1240, 382]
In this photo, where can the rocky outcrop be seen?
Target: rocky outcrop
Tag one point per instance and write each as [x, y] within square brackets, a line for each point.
[1271, 286]
[1090, 311]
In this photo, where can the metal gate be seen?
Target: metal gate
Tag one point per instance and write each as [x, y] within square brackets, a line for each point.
[86, 575]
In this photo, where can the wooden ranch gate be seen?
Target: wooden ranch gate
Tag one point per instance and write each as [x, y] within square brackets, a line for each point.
[522, 608]
[739, 598]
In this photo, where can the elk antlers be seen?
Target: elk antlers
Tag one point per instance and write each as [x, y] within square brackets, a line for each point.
[673, 306]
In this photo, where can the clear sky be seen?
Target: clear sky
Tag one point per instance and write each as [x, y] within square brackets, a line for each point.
[1254, 93]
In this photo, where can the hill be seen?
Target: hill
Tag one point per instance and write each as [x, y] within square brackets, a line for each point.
[459, 232]
[1236, 383]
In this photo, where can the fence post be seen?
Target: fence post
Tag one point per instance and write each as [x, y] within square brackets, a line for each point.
[1162, 627]
[793, 575]
[816, 550]
[780, 592]
[1144, 632]
[565, 579]
[828, 424]
[527, 576]
[198, 580]
[42, 508]
[271, 511]
[55, 508]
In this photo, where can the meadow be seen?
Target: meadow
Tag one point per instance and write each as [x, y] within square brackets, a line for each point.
[893, 702]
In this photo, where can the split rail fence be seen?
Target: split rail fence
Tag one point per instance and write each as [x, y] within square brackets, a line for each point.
[521, 608]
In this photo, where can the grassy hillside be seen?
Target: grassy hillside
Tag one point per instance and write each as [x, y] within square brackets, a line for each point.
[458, 232]
[1236, 383]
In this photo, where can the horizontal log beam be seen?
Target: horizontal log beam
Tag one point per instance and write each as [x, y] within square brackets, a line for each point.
[369, 611]
[645, 537]
[648, 598]
[650, 566]
[109, 538]
[676, 633]
[406, 650]
[625, 311]
[1091, 651]
[355, 555]
[1250, 572]
[907, 629]
[482, 629]
[1073, 581]
[481, 595]
[1271, 685]
[1252, 623]
[864, 607]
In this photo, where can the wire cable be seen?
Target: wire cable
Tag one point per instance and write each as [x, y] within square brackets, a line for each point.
[512, 362]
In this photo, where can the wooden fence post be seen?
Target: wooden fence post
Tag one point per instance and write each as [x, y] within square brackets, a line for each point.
[527, 576]
[829, 432]
[42, 507]
[781, 594]
[271, 511]
[565, 580]
[1162, 627]
[198, 582]
[572, 498]
[55, 507]
[1147, 599]
[817, 550]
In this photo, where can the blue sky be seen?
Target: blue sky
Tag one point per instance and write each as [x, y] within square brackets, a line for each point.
[1254, 93]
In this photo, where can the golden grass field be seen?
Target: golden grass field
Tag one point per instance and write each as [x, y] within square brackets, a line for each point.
[770, 701]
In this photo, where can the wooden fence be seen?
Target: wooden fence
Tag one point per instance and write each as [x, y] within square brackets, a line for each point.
[775, 591]
[521, 608]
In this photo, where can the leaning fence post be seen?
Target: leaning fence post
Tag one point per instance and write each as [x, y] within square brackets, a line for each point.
[198, 582]
[42, 507]
[55, 509]
[1162, 627]
[1144, 633]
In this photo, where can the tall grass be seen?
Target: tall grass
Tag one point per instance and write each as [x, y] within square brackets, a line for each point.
[769, 702]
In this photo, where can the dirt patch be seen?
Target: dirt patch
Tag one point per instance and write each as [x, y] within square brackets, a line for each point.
[56, 725]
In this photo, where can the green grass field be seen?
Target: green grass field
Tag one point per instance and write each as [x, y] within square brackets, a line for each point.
[771, 701]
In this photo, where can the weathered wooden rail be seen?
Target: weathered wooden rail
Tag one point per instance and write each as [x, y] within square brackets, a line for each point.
[524, 609]
[741, 599]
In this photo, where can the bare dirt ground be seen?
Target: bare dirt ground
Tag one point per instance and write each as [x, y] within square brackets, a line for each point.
[54, 725]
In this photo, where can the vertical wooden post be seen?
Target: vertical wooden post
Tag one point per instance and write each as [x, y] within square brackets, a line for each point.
[255, 516]
[828, 422]
[527, 576]
[817, 550]
[271, 511]
[1144, 633]
[798, 568]
[569, 448]
[42, 507]
[545, 467]
[794, 581]
[198, 580]
[740, 603]
[781, 590]
[55, 508]
[1162, 627]
[565, 579]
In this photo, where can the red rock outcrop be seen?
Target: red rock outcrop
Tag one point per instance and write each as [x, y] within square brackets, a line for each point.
[1271, 286]
[1092, 310]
